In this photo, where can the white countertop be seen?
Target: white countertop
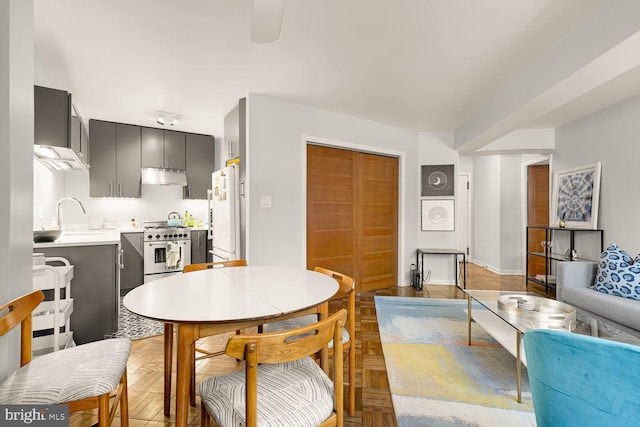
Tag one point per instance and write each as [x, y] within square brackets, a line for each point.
[85, 237]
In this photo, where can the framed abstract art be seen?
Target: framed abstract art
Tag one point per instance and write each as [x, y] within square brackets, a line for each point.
[437, 180]
[576, 194]
[438, 215]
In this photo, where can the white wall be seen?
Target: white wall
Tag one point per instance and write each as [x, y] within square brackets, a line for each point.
[611, 137]
[486, 208]
[16, 172]
[436, 148]
[155, 204]
[510, 215]
[276, 162]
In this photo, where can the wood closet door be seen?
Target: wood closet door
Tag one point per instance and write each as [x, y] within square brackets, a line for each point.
[352, 215]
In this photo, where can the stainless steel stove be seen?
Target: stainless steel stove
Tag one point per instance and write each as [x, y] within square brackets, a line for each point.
[160, 231]
[166, 249]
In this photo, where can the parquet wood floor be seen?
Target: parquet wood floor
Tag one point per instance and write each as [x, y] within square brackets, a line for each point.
[373, 398]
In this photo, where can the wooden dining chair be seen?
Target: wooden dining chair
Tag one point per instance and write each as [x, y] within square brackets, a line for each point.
[347, 290]
[82, 377]
[281, 384]
[168, 338]
[210, 265]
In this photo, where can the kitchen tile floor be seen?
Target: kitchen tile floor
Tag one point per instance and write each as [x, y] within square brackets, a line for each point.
[135, 327]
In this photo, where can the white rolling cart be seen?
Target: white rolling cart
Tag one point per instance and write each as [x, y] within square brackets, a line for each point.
[52, 313]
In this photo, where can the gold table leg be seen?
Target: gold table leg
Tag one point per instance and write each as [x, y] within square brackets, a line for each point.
[518, 366]
[468, 320]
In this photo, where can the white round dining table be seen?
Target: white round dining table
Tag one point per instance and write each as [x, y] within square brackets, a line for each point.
[215, 301]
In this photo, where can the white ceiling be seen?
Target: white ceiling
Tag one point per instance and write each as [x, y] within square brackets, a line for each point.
[418, 64]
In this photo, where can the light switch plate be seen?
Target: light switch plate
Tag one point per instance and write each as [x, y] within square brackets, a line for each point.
[265, 201]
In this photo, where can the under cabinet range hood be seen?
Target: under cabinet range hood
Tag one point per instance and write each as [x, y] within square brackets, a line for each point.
[60, 138]
[58, 158]
[154, 176]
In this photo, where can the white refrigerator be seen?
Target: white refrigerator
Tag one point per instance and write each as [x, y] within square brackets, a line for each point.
[224, 214]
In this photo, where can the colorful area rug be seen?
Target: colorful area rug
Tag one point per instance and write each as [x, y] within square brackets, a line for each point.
[436, 379]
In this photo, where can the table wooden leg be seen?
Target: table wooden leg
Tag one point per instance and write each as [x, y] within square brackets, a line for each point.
[187, 336]
[168, 356]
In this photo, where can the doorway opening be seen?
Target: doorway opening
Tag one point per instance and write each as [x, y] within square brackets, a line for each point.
[536, 184]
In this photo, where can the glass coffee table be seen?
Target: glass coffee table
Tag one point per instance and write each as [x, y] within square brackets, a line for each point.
[507, 315]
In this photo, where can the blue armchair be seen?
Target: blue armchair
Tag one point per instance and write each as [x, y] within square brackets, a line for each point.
[578, 380]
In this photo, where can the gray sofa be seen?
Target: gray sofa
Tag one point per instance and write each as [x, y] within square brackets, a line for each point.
[573, 282]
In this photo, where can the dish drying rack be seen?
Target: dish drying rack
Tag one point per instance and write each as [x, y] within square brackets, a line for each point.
[53, 313]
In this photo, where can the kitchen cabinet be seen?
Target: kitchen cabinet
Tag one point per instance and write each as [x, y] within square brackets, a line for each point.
[95, 289]
[163, 149]
[132, 272]
[57, 131]
[115, 163]
[200, 165]
[52, 115]
[200, 247]
[79, 139]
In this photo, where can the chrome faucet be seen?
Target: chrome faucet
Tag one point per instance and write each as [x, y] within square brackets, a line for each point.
[60, 202]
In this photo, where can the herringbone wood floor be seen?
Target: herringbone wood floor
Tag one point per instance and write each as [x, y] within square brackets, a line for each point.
[373, 399]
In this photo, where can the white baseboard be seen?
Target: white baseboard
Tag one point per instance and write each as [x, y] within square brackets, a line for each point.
[498, 271]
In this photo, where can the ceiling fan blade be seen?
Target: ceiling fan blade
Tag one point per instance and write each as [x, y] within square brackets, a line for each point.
[266, 20]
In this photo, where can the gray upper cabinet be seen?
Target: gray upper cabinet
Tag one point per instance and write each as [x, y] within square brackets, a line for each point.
[174, 150]
[128, 160]
[152, 148]
[52, 115]
[102, 175]
[200, 165]
[115, 166]
[163, 149]
[79, 139]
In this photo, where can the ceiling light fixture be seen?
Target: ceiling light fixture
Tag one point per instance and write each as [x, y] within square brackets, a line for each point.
[163, 118]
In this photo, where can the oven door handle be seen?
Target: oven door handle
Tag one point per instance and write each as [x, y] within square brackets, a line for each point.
[180, 242]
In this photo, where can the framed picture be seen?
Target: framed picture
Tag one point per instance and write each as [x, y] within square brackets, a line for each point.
[437, 180]
[575, 197]
[438, 215]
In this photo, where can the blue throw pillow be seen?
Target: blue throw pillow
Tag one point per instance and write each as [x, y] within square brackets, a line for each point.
[618, 274]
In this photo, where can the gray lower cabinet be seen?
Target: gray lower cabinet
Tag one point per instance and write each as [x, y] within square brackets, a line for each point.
[200, 165]
[115, 160]
[200, 247]
[93, 289]
[132, 273]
